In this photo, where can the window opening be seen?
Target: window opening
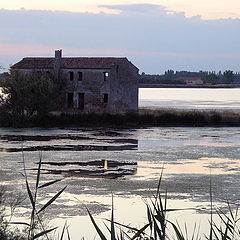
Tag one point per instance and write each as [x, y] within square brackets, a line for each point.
[71, 76]
[106, 75]
[105, 98]
[80, 76]
[81, 101]
[69, 100]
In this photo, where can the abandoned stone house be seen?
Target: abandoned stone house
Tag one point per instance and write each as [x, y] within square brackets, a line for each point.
[90, 83]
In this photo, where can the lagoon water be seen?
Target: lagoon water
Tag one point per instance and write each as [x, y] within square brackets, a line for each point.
[190, 98]
[187, 156]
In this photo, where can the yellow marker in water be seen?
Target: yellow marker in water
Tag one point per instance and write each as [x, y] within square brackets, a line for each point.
[105, 165]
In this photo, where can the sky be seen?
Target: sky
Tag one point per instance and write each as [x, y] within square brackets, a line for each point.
[155, 35]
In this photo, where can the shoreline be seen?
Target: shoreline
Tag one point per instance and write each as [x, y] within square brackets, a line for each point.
[142, 85]
[145, 117]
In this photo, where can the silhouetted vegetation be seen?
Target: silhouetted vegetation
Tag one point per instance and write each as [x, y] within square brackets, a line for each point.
[8, 205]
[144, 117]
[24, 96]
[181, 77]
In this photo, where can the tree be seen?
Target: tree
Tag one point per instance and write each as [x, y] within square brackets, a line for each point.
[169, 73]
[228, 76]
[210, 78]
[25, 95]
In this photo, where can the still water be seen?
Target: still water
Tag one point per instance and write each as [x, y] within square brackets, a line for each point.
[186, 98]
[187, 157]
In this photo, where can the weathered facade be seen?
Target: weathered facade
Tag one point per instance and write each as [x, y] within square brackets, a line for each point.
[90, 83]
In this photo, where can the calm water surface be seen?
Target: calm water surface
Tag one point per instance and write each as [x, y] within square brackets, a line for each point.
[200, 98]
[186, 155]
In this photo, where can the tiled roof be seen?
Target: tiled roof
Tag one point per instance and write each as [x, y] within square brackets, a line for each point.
[78, 62]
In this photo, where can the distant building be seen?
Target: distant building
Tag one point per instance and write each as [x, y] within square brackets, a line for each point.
[90, 83]
[190, 80]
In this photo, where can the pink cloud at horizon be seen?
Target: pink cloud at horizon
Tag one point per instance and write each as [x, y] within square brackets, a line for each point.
[39, 50]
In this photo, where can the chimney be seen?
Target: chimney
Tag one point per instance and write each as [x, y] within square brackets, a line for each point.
[58, 53]
[57, 64]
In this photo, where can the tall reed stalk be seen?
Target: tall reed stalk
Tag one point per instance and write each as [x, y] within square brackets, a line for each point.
[157, 227]
[33, 232]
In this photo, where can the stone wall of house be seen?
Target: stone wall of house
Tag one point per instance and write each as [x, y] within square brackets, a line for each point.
[110, 90]
[89, 82]
[99, 90]
[124, 88]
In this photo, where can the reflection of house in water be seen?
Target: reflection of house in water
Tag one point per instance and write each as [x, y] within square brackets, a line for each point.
[90, 83]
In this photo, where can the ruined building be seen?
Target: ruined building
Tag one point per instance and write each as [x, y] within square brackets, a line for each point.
[90, 83]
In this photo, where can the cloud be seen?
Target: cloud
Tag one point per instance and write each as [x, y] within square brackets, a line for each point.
[142, 8]
[154, 41]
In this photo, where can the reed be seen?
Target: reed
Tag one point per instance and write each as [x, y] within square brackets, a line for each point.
[35, 228]
[143, 117]
[157, 226]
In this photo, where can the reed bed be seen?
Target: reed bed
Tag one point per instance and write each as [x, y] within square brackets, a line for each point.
[143, 117]
[146, 118]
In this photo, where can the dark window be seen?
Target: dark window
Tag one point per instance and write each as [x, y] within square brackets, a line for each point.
[39, 72]
[69, 100]
[80, 76]
[105, 74]
[48, 73]
[71, 76]
[105, 98]
[81, 101]
[117, 68]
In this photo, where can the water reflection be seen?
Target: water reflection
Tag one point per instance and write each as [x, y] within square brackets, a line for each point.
[186, 156]
[184, 98]
[97, 169]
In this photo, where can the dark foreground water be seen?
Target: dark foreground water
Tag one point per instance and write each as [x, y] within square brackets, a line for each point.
[186, 155]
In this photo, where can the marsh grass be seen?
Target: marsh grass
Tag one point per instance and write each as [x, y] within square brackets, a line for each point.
[8, 205]
[35, 228]
[157, 226]
[143, 117]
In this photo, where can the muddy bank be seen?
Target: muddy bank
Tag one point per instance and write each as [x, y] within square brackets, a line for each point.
[96, 169]
[71, 148]
[94, 140]
[97, 163]
[98, 173]
[94, 133]
[41, 138]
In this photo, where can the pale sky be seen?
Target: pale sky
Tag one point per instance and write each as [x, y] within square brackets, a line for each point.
[207, 9]
[156, 35]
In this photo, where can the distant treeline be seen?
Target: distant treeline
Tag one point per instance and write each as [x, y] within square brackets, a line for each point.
[181, 77]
